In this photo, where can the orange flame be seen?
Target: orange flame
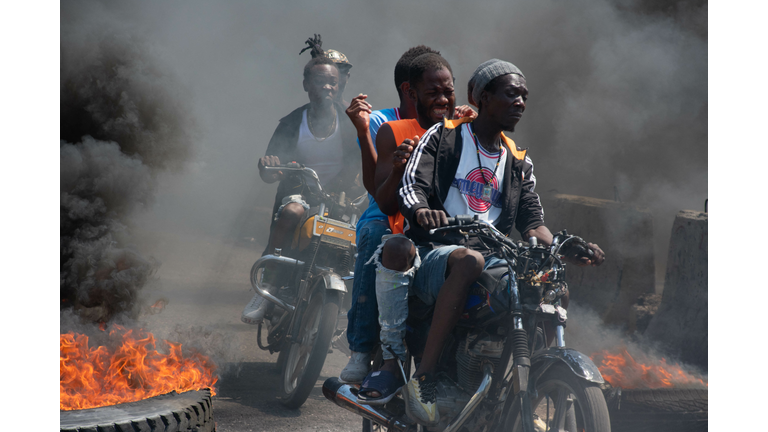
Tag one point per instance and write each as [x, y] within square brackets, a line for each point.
[94, 377]
[621, 370]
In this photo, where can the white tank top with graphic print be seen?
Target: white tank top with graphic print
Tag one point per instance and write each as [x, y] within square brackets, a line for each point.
[469, 193]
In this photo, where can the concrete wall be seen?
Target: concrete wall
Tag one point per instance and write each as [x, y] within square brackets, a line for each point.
[680, 324]
[625, 233]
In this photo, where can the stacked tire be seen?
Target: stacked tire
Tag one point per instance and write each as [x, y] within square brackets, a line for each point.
[659, 410]
[190, 411]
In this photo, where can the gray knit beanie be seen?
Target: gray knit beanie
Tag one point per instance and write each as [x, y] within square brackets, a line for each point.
[489, 70]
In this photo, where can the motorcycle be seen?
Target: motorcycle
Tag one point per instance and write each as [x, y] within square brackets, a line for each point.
[307, 285]
[496, 372]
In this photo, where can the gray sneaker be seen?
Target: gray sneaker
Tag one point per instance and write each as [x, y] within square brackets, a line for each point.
[357, 369]
[421, 400]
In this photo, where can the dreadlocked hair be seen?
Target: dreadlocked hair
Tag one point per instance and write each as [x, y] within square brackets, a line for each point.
[314, 62]
[402, 66]
[315, 45]
[425, 62]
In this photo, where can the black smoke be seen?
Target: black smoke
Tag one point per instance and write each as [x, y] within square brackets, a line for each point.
[123, 121]
[618, 100]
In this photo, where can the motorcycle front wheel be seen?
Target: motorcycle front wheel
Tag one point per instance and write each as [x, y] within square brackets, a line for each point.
[369, 426]
[566, 402]
[304, 359]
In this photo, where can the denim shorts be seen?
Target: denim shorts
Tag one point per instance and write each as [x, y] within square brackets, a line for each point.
[431, 276]
[291, 199]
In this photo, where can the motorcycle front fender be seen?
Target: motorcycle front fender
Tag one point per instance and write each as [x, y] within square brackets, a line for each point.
[581, 365]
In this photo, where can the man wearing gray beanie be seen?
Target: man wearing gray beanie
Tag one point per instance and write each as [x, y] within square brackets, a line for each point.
[485, 73]
[466, 167]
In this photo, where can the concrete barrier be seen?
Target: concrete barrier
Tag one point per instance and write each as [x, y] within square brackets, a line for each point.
[625, 233]
[680, 324]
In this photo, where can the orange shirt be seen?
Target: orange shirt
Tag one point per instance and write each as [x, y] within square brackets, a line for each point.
[403, 129]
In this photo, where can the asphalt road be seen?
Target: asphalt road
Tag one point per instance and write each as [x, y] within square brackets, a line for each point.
[205, 280]
[206, 283]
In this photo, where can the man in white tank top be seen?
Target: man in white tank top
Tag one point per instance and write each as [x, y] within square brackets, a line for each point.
[314, 136]
[318, 146]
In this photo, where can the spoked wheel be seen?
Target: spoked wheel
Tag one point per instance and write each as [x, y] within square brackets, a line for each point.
[369, 426]
[282, 357]
[304, 359]
[567, 403]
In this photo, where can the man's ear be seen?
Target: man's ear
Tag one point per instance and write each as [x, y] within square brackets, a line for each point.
[484, 96]
[410, 91]
[306, 85]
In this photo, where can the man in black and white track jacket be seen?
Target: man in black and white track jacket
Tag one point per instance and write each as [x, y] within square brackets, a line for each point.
[467, 167]
[446, 175]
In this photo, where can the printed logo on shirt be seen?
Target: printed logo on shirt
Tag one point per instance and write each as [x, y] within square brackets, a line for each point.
[474, 189]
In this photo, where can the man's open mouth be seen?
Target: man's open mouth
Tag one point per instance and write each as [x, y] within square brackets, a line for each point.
[440, 112]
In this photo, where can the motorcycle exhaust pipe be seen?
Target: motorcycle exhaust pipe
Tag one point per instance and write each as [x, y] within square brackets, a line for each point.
[264, 293]
[482, 391]
[342, 395]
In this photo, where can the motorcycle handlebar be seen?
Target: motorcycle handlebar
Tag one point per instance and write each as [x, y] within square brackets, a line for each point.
[461, 220]
[471, 222]
[453, 222]
[293, 166]
[568, 244]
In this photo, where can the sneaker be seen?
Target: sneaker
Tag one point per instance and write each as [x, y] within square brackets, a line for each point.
[255, 309]
[421, 400]
[357, 369]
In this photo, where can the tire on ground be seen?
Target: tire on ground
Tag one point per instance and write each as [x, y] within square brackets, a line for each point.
[190, 411]
[660, 410]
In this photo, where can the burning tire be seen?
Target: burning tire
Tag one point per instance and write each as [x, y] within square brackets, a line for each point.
[659, 410]
[172, 412]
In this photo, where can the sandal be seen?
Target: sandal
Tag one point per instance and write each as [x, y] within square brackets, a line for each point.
[386, 383]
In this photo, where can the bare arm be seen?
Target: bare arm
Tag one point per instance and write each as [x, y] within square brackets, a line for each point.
[390, 167]
[359, 112]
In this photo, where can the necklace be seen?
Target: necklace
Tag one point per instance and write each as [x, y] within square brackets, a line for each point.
[487, 188]
[312, 129]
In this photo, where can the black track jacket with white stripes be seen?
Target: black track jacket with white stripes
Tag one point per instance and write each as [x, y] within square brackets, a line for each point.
[431, 170]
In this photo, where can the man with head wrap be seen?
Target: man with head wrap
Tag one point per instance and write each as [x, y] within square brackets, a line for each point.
[315, 47]
[344, 67]
[312, 135]
[481, 172]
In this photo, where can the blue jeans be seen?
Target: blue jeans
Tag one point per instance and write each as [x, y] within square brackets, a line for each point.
[363, 324]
